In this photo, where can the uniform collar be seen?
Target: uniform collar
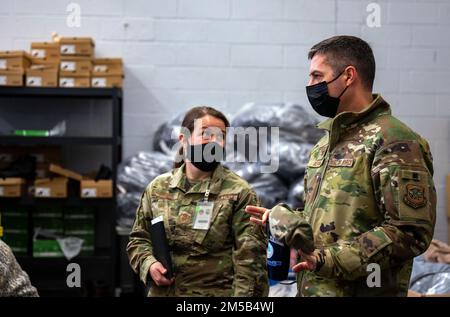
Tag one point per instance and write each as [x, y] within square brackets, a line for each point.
[214, 183]
[376, 108]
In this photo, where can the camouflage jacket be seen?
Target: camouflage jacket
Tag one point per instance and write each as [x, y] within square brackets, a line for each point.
[14, 282]
[226, 260]
[369, 198]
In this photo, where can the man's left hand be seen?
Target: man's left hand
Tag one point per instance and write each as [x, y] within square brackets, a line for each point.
[309, 263]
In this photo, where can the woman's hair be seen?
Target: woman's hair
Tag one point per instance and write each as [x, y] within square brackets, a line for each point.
[188, 124]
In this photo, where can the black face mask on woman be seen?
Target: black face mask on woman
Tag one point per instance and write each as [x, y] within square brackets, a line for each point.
[206, 157]
[320, 99]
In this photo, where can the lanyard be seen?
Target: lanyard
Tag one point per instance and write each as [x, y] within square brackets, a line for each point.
[206, 194]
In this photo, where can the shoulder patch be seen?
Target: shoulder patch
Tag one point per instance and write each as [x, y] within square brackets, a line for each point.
[415, 196]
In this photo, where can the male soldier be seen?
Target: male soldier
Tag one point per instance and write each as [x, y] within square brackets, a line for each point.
[369, 192]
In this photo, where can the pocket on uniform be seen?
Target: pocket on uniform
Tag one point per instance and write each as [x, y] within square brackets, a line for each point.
[218, 231]
[312, 186]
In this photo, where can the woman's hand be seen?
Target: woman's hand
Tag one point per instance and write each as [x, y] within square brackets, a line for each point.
[259, 214]
[157, 271]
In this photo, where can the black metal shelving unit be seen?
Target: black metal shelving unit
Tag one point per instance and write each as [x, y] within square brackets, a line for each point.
[49, 274]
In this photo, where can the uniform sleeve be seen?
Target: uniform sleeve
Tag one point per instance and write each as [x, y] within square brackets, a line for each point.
[139, 248]
[406, 197]
[290, 227]
[14, 282]
[249, 252]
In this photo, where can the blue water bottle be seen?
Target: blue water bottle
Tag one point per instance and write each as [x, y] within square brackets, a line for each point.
[278, 259]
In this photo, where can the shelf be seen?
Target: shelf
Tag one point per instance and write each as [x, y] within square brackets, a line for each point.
[54, 140]
[82, 260]
[49, 274]
[60, 92]
[68, 202]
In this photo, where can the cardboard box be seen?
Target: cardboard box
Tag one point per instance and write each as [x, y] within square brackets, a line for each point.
[45, 52]
[15, 221]
[106, 81]
[14, 60]
[12, 187]
[51, 187]
[96, 189]
[42, 76]
[78, 81]
[79, 65]
[49, 224]
[65, 172]
[46, 248]
[79, 223]
[107, 66]
[11, 77]
[18, 242]
[80, 46]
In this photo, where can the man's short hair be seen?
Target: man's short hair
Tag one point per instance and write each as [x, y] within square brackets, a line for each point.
[342, 51]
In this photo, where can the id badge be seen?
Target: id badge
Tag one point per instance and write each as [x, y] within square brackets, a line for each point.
[203, 214]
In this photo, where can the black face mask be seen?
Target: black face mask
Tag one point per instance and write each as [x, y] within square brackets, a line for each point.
[205, 156]
[321, 101]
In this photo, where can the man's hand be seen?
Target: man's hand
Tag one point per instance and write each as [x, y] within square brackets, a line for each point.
[309, 263]
[157, 271]
[259, 214]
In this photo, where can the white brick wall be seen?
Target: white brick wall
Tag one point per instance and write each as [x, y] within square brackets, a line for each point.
[179, 53]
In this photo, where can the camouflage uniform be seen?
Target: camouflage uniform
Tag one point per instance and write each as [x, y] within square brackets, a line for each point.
[369, 198]
[229, 259]
[14, 282]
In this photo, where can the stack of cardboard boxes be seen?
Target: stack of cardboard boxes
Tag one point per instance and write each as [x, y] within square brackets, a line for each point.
[64, 62]
[76, 61]
[58, 187]
[15, 229]
[48, 222]
[72, 222]
[13, 65]
[80, 223]
[52, 181]
[45, 155]
[45, 62]
[107, 72]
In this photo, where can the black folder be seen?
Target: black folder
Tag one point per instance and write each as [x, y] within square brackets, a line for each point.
[161, 250]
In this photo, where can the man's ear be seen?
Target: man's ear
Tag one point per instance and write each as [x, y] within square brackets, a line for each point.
[350, 74]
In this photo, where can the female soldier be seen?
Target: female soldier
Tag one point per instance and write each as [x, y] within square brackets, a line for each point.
[219, 253]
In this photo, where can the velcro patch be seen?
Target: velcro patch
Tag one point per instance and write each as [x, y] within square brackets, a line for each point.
[415, 196]
[346, 162]
[232, 197]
